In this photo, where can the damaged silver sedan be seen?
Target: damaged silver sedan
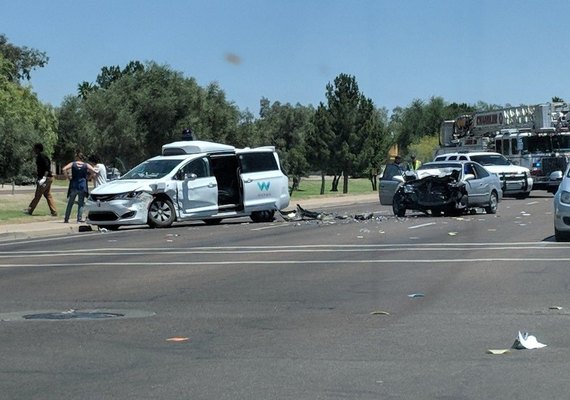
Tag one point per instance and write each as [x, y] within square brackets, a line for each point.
[449, 188]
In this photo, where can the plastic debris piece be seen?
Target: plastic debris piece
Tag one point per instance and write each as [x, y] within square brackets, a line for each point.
[452, 233]
[379, 312]
[498, 351]
[555, 308]
[492, 230]
[178, 339]
[525, 340]
[360, 237]
[526, 214]
[103, 230]
[415, 295]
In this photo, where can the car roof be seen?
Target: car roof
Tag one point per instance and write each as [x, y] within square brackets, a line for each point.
[470, 153]
[447, 162]
[180, 157]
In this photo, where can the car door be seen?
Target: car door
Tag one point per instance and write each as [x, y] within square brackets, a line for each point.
[197, 189]
[390, 181]
[477, 183]
[265, 186]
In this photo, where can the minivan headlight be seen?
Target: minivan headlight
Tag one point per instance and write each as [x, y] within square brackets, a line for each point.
[565, 197]
[128, 195]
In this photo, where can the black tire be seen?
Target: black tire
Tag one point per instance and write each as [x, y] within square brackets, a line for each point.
[398, 205]
[109, 227]
[437, 211]
[493, 203]
[561, 236]
[212, 221]
[262, 216]
[161, 213]
[522, 196]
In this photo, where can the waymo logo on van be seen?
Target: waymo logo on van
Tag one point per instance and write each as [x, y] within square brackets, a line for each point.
[263, 186]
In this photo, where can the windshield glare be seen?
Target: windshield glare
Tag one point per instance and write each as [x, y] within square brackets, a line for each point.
[151, 169]
[490, 159]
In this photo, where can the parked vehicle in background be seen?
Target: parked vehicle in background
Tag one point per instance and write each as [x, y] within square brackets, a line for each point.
[112, 174]
[562, 209]
[448, 187]
[516, 181]
[533, 136]
[193, 180]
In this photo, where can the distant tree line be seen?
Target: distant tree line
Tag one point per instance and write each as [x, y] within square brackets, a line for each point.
[128, 113]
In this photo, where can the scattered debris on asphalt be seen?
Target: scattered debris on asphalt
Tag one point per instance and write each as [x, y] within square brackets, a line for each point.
[498, 351]
[525, 340]
[379, 312]
[301, 214]
[178, 339]
[416, 295]
[555, 308]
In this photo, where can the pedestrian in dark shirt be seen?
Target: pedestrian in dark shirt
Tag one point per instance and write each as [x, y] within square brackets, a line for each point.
[43, 181]
[80, 172]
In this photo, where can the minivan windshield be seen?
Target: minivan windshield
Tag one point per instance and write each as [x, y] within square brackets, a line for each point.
[151, 169]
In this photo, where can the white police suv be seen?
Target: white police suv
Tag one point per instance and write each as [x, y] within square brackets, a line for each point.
[193, 180]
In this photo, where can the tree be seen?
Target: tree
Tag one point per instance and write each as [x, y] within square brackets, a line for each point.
[356, 127]
[131, 112]
[286, 127]
[24, 120]
[320, 141]
[23, 60]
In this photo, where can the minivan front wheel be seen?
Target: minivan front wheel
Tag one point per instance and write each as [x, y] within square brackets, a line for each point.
[161, 213]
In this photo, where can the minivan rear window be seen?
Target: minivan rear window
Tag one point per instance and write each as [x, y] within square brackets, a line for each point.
[258, 162]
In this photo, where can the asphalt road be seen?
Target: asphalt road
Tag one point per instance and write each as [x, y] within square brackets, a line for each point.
[292, 310]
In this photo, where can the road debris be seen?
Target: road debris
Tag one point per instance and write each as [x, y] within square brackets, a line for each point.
[525, 340]
[178, 339]
[379, 312]
[415, 295]
[302, 214]
[555, 308]
[498, 351]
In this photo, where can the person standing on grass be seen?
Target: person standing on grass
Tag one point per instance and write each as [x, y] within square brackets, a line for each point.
[43, 181]
[101, 175]
[80, 172]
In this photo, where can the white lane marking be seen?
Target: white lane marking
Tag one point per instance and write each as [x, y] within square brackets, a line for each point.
[531, 203]
[290, 262]
[269, 227]
[171, 251]
[422, 225]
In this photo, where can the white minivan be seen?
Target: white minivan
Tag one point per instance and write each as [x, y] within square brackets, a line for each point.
[193, 180]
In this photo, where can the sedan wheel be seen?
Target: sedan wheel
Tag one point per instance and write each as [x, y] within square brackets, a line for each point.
[398, 205]
[493, 202]
[161, 213]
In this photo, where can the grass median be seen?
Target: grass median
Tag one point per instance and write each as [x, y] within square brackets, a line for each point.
[12, 205]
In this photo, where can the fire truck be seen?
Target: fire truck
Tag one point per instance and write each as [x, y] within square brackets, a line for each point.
[536, 137]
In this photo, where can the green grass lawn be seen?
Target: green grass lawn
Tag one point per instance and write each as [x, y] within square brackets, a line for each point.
[11, 205]
[311, 187]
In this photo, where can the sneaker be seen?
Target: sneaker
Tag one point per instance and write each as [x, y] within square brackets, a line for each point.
[54, 215]
[27, 211]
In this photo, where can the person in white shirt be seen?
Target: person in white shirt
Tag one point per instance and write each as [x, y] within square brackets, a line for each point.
[101, 171]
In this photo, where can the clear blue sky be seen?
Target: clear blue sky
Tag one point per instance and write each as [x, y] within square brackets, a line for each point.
[497, 51]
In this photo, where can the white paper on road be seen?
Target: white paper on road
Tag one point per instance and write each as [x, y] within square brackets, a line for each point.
[525, 340]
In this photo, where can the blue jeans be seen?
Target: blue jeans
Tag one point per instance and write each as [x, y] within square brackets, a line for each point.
[73, 193]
